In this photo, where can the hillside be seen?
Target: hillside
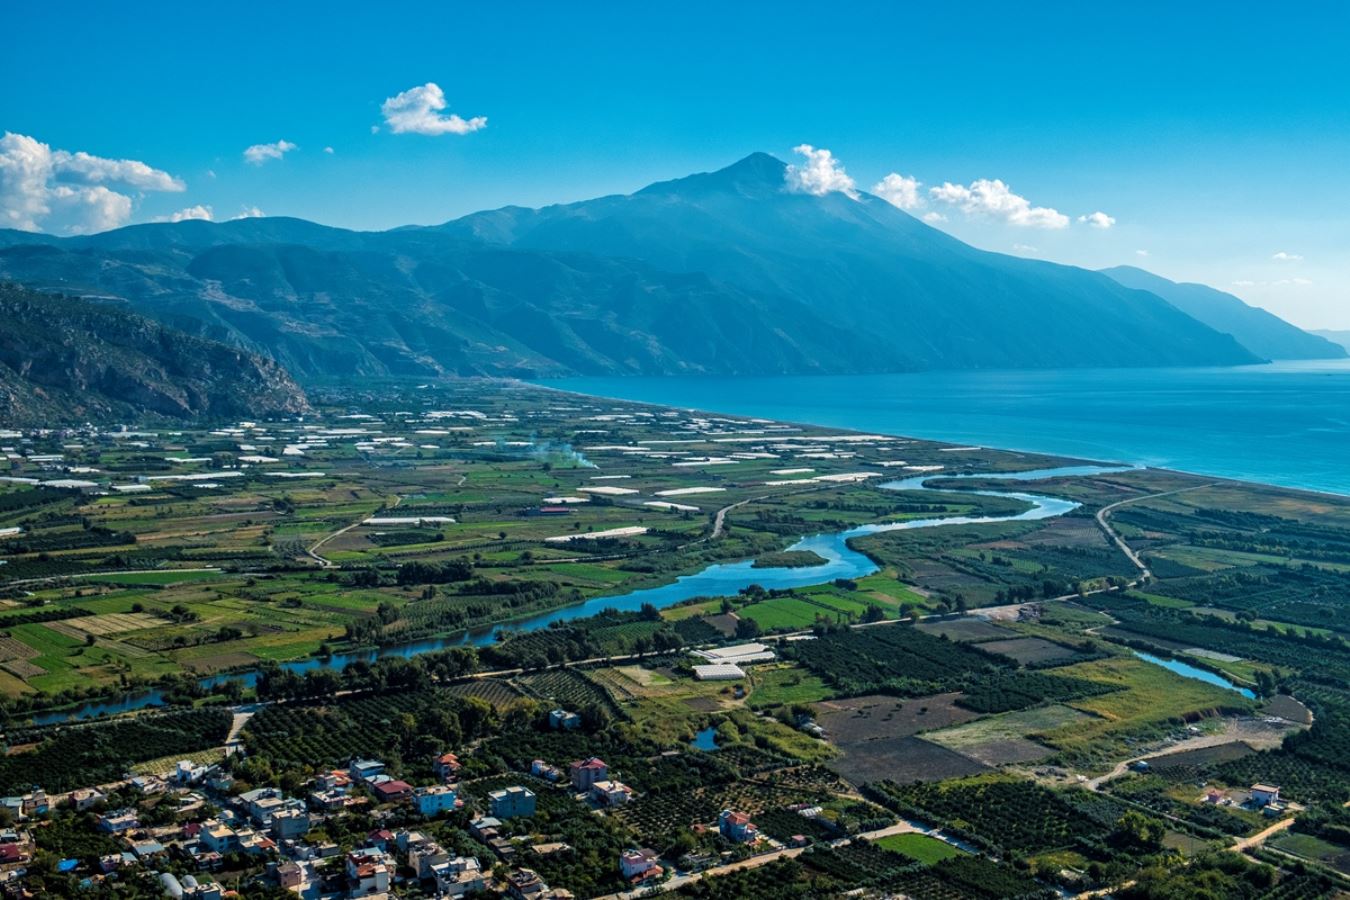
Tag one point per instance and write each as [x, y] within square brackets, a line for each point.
[64, 360]
[723, 273]
[1341, 338]
[1261, 332]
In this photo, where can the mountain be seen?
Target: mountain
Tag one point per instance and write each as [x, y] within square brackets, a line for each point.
[64, 360]
[935, 301]
[726, 272]
[1262, 333]
[1341, 338]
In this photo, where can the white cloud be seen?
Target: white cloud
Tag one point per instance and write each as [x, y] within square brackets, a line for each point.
[1141, 253]
[66, 192]
[1098, 219]
[821, 174]
[418, 110]
[328, 150]
[85, 169]
[932, 218]
[1279, 282]
[261, 153]
[1287, 257]
[249, 212]
[192, 212]
[899, 190]
[93, 208]
[1024, 248]
[993, 198]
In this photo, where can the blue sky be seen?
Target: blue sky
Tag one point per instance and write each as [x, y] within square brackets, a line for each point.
[1214, 135]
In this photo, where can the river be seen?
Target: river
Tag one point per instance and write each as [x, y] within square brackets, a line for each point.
[722, 579]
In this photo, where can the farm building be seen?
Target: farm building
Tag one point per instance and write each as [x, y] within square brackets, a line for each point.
[718, 672]
[740, 654]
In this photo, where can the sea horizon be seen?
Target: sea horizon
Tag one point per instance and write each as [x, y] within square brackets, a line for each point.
[1216, 421]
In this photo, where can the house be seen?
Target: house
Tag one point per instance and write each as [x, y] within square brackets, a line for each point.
[457, 877]
[511, 802]
[206, 890]
[562, 720]
[434, 800]
[611, 793]
[14, 853]
[188, 773]
[219, 837]
[118, 821]
[148, 784]
[446, 766]
[289, 823]
[291, 876]
[380, 839]
[586, 772]
[366, 769]
[737, 827]
[367, 872]
[424, 858]
[147, 848]
[262, 803]
[639, 866]
[84, 798]
[1265, 794]
[485, 828]
[392, 791]
[541, 769]
[525, 884]
[34, 803]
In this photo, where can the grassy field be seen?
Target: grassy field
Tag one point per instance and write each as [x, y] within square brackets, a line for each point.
[919, 847]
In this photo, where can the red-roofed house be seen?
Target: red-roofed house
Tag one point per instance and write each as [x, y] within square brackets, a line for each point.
[586, 772]
[737, 827]
[392, 791]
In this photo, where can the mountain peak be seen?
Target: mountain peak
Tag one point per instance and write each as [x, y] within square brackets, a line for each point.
[758, 174]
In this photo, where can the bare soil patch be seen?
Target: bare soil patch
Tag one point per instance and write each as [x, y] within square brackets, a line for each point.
[875, 735]
[904, 761]
[1287, 708]
[1030, 650]
[968, 629]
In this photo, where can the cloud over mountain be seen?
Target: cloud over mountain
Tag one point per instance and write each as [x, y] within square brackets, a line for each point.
[60, 191]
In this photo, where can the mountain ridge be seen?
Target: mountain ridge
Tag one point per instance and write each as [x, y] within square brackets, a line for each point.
[64, 359]
[1260, 331]
[723, 272]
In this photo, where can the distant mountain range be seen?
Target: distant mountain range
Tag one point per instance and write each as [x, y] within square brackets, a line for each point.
[69, 360]
[726, 272]
[1263, 333]
[1341, 338]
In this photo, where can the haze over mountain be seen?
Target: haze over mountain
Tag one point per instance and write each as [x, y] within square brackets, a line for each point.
[1336, 337]
[65, 360]
[1261, 332]
[724, 272]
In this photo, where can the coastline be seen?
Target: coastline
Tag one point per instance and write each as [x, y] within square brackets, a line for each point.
[1278, 424]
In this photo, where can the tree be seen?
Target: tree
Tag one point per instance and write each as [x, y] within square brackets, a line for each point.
[747, 628]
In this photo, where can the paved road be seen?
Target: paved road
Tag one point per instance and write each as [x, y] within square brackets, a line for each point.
[313, 551]
[1105, 513]
[755, 862]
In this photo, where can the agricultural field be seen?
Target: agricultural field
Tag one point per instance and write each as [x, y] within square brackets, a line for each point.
[406, 574]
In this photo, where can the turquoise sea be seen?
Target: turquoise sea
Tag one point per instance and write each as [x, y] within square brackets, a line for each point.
[1282, 423]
